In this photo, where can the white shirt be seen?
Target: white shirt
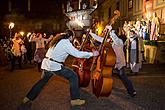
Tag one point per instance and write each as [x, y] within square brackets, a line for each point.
[60, 52]
[133, 43]
[120, 57]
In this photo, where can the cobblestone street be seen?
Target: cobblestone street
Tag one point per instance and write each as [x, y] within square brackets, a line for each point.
[149, 84]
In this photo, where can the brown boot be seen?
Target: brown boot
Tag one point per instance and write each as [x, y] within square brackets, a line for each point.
[25, 105]
[77, 102]
[26, 100]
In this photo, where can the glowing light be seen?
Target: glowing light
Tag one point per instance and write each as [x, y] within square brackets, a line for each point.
[22, 33]
[11, 25]
[79, 23]
[29, 33]
[99, 29]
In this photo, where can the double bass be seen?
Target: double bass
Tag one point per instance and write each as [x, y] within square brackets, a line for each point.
[102, 75]
[82, 65]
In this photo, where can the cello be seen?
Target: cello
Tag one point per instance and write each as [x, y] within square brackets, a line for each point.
[102, 75]
[81, 65]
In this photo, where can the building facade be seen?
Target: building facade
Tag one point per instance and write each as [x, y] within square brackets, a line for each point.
[130, 10]
[32, 16]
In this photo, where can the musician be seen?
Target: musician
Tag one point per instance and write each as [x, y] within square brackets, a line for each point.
[61, 46]
[117, 45]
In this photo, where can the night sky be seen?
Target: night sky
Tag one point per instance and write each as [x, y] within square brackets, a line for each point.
[41, 7]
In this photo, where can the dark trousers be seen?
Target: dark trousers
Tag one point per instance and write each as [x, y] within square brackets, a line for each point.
[14, 59]
[64, 72]
[39, 66]
[127, 83]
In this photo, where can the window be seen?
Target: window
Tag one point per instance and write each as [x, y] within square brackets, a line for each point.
[130, 4]
[109, 12]
[118, 5]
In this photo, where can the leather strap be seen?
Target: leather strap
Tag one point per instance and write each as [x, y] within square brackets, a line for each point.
[51, 59]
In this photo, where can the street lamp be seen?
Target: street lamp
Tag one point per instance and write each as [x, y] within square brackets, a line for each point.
[11, 26]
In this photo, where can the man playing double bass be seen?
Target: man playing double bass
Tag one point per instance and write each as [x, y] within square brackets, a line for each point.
[61, 46]
[117, 45]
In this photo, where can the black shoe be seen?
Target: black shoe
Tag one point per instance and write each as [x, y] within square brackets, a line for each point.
[131, 71]
[135, 73]
[133, 94]
[25, 106]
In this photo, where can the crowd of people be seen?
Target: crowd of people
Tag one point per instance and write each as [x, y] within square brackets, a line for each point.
[24, 49]
[133, 34]
[147, 29]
